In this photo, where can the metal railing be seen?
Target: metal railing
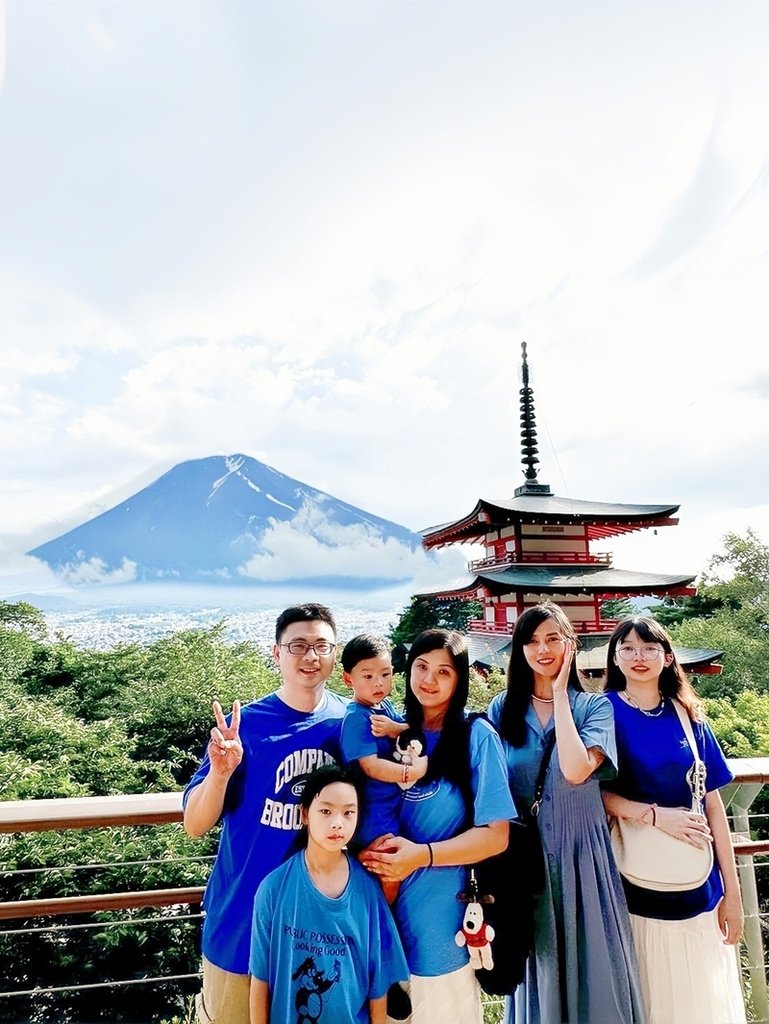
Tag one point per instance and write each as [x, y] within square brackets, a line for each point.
[751, 775]
[581, 626]
[540, 558]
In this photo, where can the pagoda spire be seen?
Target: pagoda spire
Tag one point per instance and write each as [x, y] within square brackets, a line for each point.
[529, 436]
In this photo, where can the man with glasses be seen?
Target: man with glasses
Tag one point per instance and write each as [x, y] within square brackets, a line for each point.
[250, 780]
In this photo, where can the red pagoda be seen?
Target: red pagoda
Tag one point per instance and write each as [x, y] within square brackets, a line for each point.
[538, 546]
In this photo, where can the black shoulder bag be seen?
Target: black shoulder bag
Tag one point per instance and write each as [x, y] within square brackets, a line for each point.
[507, 886]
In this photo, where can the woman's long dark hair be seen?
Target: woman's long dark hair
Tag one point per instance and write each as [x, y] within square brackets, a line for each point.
[520, 678]
[451, 757]
[673, 680]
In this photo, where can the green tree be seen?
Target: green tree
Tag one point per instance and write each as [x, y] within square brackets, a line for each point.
[730, 614]
[736, 578]
[429, 613]
[617, 608]
[24, 617]
[741, 724]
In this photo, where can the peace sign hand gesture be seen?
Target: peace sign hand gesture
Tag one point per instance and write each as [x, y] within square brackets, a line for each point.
[225, 751]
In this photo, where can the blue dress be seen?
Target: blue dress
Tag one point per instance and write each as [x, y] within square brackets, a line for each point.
[583, 970]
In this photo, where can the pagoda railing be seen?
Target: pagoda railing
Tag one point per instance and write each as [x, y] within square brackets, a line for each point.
[751, 775]
[540, 558]
[591, 626]
[486, 626]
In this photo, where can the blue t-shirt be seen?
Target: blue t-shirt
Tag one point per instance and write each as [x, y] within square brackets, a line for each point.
[427, 909]
[323, 958]
[654, 757]
[261, 813]
[381, 800]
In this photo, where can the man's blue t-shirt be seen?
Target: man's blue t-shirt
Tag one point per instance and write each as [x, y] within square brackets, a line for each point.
[427, 909]
[261, 813]
[654, 757]
[323, 958]
[381, 800]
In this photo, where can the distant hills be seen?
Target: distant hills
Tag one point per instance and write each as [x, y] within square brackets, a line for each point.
[234, 520]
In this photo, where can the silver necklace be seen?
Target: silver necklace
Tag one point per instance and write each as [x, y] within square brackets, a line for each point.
[652, 712]
[543, 700]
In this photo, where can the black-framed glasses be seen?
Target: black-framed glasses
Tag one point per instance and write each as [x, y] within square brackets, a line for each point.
[628, 653]
[300, 647]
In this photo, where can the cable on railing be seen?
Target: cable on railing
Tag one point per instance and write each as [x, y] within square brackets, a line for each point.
[122, 922]
[109, 864]
[99, 984]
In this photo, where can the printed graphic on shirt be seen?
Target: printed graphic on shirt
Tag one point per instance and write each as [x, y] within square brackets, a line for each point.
[291, 774]
[312, 983]
[422, 791]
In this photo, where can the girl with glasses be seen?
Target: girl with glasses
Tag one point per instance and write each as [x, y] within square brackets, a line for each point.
[583, 968]
[684, 939]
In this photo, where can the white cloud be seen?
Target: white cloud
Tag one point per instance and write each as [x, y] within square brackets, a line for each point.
[94, 571]
[101, 37]
[336, 281]
[311, 547]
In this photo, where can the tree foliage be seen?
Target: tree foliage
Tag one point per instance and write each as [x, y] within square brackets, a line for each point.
[617, 608]
[429, 613]
[90, 723]
[730, 613]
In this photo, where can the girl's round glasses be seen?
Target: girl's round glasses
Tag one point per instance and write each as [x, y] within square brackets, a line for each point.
[628, 653]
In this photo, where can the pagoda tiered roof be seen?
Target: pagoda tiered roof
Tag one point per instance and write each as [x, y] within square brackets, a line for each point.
[602, 519]
[560, 579]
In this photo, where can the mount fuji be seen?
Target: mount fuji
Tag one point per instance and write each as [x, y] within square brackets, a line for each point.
[234, 520]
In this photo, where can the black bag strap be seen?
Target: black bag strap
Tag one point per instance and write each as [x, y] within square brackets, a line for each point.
[539, 786]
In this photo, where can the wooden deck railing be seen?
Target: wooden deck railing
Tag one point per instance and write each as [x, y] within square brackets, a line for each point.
[751, 774]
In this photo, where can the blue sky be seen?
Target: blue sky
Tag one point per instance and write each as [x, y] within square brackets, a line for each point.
[317, 233]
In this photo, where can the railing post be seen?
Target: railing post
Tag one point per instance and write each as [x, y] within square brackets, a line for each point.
[739, 798]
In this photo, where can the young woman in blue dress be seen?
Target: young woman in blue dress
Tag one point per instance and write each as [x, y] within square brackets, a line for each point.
[583, 969]
[685, 940]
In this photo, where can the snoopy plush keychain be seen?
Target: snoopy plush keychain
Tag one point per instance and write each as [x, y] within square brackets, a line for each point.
[475, 933]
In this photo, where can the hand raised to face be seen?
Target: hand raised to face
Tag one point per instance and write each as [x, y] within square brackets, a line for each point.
[225, 750]
[561, 681]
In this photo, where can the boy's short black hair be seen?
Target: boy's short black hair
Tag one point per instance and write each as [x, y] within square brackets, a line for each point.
[303, 613]
[362, 647]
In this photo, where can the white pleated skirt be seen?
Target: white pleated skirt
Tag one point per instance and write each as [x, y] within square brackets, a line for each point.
[453, 998]
[687, 973]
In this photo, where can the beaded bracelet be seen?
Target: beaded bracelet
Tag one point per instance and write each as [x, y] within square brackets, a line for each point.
[651, 809]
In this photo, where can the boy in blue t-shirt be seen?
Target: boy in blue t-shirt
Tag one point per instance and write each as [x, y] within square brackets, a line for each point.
[370, 724]
[387, 769]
